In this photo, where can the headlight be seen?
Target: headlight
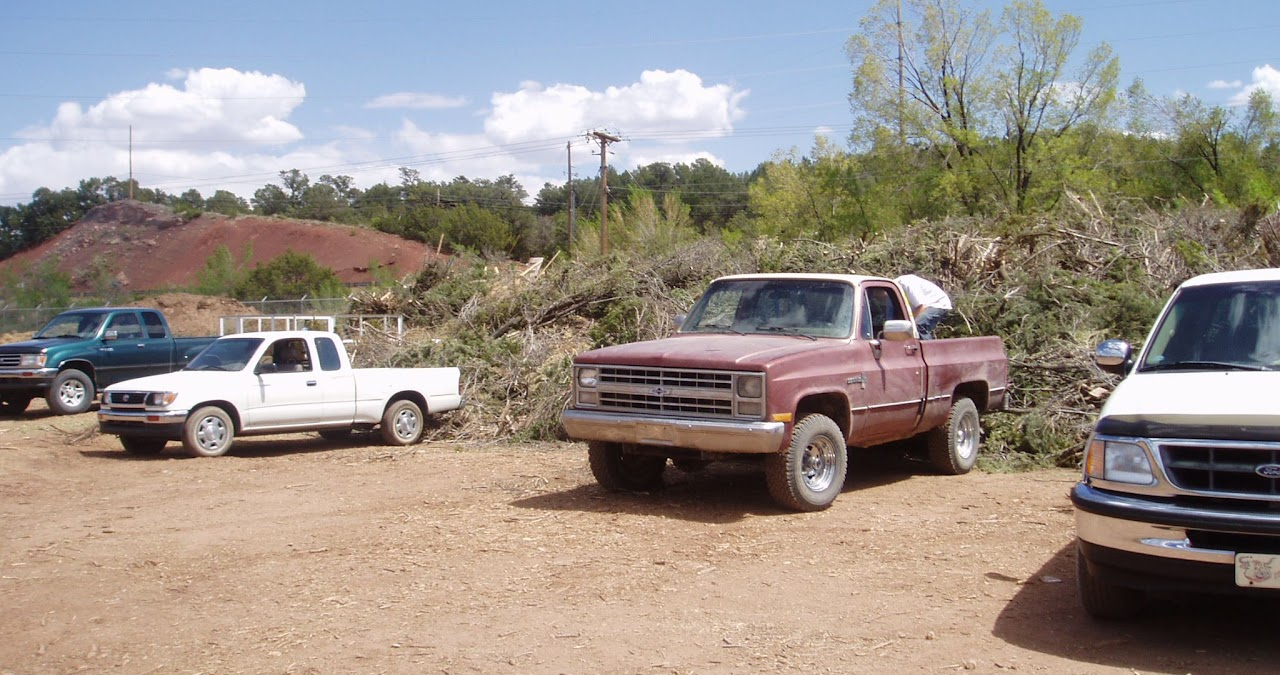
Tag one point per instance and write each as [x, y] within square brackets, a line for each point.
[1118, 461]
[588, 377]
[161, 398]
[750, 386]
[31, 360]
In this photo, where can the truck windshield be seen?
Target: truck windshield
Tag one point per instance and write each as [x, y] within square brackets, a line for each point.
[226, 354]
[810, 307]
[1220, 327]
[71, 325]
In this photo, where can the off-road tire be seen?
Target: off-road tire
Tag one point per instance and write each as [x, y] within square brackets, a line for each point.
[953, 447]
[71, 393]
[1102, 600]
[208, 432]
[617, 469]
[809, 474]
[402, 423]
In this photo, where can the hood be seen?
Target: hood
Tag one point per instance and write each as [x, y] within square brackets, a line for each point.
[1219, 398]
[718, 351]
[179, 381]
[35, 346]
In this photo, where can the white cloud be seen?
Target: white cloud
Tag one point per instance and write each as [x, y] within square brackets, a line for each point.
[661, 102]
[212, 129]
[416, 101]
[1266, 78]
[1224, 84]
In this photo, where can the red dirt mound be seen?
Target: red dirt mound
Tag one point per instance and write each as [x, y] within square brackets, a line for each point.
[149, 248]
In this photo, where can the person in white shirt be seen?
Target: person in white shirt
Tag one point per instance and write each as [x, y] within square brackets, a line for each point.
[929, 303]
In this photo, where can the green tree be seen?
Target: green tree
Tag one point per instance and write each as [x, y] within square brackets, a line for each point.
[226, 203]
[270, 200]
[221, 274]
[290, 275]
[1037, 100]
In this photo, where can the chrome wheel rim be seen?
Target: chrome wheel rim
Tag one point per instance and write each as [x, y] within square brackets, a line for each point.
[818, 465]
[967, 437]
[71, 393]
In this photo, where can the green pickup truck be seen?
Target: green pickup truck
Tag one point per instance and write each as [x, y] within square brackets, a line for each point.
[81, 351]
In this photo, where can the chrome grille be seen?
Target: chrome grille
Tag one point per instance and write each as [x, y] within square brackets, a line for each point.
[127, 398]
[10, 360]
[669, 392]
[1229, 469]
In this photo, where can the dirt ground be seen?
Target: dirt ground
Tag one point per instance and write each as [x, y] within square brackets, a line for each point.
[295, 555]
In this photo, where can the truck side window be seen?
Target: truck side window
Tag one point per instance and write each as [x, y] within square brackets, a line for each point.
[328, 353]
[126, 326]
[155, 325]
[880, 306]
[290, 356]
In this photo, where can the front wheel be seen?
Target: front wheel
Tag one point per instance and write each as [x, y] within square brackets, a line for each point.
[208, 432]
[809, 474]
[953, 447]
[71, 393]
[1103, 600]
[135, 445]
[402, 423]
[617, 469]
[14, 405]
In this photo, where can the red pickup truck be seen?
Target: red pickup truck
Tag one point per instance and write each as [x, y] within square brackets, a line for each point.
[792, 369]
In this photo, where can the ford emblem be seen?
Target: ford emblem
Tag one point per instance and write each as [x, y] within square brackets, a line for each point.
[1268, 470]
[662, 391]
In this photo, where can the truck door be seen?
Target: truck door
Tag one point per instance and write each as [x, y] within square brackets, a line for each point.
[338, 384]
[134, 351]
[887, 393]
[288, 390]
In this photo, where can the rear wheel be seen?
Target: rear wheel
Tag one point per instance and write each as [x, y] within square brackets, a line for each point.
[617, 469]
[953, 447]
[14, 404]
[71, 393]
[1103, 600]
[142, 446]
[208, 432]
[402, 423]
[810, 473]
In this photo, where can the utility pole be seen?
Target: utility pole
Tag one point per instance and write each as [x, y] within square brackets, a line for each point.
[131, 161]
[605, 140]
[569, 147]
[902, 126]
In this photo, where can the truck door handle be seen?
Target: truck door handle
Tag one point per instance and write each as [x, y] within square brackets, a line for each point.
[911, 349]
[311, 383]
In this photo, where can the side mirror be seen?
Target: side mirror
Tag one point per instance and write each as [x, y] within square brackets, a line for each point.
[679, 320]
[111, 334]
[1113, 356]
[898, 330]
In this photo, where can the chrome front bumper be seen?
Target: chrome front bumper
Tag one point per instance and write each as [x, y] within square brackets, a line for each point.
[705, 435]
[1159, 529]
[161, 418]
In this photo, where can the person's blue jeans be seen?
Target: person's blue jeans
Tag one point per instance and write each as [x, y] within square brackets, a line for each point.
[929, 319]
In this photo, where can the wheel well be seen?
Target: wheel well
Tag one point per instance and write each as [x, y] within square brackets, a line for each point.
[977, 391]
[82, 366]
[414, 396]
[227, 408]
[834, 406]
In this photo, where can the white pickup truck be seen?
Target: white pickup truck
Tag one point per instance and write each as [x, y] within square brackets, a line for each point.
[1181, 481]
[268, 383]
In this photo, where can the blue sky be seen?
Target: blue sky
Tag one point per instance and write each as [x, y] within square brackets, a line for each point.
[226, 95]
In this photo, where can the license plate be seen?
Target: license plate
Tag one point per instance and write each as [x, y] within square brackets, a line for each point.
[1257, 570]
